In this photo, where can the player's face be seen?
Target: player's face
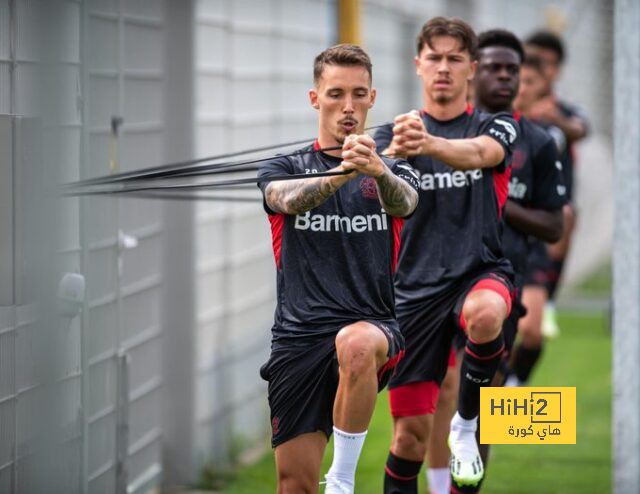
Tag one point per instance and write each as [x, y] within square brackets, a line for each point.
[445, 69]
[550, 62]
[342, 96]
[533, 86]
[497, 76]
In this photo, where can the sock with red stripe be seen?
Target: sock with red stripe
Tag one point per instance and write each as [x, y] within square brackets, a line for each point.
[525, 360]
[479, 364]
[400, 475]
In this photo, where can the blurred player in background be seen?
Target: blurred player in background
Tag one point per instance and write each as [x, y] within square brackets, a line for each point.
[557, 113]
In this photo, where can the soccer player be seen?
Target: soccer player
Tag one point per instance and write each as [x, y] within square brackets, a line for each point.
[533, 207]
[539, 273]
[573, 123]
[335, 239]
[451, 274]
[536, 191]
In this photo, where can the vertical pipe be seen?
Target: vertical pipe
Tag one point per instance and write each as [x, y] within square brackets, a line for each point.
[349, 13]
[178, 316]
[122, 421]
[626, 255]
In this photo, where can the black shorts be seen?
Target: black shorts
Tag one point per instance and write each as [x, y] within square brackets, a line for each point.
[539, 265]
[303, 380]
[430, 327]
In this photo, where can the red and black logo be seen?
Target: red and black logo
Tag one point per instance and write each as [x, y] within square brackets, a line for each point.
[368, 188]
[275, 425]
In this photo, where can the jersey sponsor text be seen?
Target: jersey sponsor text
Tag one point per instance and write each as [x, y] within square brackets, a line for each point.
[336, 223]
[447, 180]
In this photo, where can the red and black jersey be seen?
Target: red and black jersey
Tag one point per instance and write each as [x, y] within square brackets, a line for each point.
[456, 229]
[335, 263]
[536, 182]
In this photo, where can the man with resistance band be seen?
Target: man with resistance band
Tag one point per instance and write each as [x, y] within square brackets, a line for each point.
[336, 241]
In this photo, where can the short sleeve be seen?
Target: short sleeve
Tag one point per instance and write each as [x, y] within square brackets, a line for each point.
[503, 128]
[406, 172]
[279, 165]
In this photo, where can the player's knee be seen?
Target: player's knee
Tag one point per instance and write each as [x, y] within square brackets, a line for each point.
[484, 321]
[410, 441]
[357, 353]
[290, 483]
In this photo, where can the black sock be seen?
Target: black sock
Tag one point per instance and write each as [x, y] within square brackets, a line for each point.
[525, 360]
[479, 364]
[400, 475]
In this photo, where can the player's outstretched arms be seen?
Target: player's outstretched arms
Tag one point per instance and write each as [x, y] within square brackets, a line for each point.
[461, 154]
[397, 197]
[299, 196]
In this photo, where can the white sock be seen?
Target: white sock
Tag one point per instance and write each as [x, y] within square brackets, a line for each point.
[513, 382]
[346, 452]
[439, 480]
[464, 430]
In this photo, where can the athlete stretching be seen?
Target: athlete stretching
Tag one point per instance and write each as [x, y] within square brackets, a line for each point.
[336, 240]
[451, 275]
[534, 205]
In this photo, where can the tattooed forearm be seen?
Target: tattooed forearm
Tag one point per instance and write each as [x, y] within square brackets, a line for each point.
[299, 196]
[396, 196]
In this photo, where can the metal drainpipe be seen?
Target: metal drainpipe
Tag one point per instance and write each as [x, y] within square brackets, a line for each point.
[349, 14]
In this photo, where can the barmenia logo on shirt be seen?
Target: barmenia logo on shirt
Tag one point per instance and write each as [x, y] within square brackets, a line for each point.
[336, 223]
[448, 180]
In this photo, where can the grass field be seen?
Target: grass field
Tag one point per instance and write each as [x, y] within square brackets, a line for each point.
[580, 357]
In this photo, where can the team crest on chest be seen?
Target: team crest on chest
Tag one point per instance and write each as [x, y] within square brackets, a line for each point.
[368, 188]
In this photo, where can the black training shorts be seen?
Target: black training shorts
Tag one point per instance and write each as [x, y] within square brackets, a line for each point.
[303, 379]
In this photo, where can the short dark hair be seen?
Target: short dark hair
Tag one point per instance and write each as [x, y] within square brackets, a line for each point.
[549, 41]
[342, 55]
[534, 62]
[502, 38]
[454, 27]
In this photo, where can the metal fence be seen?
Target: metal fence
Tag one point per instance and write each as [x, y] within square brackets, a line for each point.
[158, 376]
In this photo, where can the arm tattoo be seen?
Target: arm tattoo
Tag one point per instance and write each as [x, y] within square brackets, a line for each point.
[397, 197]
[299, 196]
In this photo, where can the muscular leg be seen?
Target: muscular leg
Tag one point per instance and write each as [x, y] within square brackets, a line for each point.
[484, 312]
[298, 463]
[362, 349]
[408, 447]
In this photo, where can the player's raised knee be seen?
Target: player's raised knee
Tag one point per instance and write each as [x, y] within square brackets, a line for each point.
[485, 313]
[359, 347]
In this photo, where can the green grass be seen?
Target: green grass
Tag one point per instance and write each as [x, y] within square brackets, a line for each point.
[598, 283]
[580, 357]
